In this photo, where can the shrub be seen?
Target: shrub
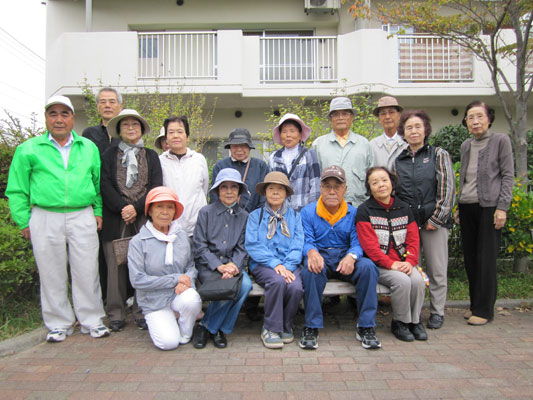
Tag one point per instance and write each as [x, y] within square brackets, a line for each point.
[517, 230]
[17, 265]
[450, 138]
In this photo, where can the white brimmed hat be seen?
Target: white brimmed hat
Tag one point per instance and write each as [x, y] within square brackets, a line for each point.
[160, 137]
[306, 131]
[229, 175]
[59, 100]
[113, 123]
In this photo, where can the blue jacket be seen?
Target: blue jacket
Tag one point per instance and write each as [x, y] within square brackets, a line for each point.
[278, 250]
[319, 234]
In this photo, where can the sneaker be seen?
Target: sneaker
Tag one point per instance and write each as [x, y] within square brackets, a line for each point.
[270, 339]
[401, 331]
[97, 332]
[287, 337]
[418, 331]
[435, 321]
[141, 324]
[58, 335]
[309, 339]
[117, 325]
[367, 337]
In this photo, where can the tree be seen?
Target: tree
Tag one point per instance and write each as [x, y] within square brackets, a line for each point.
[495, 31]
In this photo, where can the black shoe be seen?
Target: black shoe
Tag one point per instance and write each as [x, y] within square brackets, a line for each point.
[435, 321]
[199, 336]
[141, 324]
[219, 340]
[418, 331]
[401, 331]
[117, 325]
[309, 339]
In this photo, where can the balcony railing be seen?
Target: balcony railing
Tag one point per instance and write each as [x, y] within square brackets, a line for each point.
[298, 59]
[179, 55]
[432, 58]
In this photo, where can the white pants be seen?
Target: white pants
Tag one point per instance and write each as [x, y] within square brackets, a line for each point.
[435, 246]
[165, 331]
[58, 240]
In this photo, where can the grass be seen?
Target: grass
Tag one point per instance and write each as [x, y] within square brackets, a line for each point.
[20, 315]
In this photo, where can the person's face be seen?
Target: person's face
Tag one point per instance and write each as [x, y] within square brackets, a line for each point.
[477, 121]
[380, 185]
[130, 130]
[275, 195]
[108, 105]
[59, 121]
[389, 118]
[177, 137]
[332, 192]
[290, 136]
[240, 152]
[228, 192]
[162, 214]
[164, 144]
[341, 120]
[414, 132]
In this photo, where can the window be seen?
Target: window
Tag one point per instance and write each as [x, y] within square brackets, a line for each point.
[148, 47]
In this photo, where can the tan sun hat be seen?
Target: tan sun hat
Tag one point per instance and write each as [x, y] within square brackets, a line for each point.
[274, 177]
[113, 122]
[387, 101]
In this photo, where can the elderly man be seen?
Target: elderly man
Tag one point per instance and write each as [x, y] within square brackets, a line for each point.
[332, 250]
[344, 148]
[109, 105]
[389, 145]
[54, 197]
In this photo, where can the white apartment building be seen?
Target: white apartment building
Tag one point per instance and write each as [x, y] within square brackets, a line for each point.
[254, 54]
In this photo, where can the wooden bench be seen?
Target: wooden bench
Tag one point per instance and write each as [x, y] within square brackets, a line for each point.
[333, 288]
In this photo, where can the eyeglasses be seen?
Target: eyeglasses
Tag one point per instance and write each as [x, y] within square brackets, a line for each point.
[339, 114]
[335, 188]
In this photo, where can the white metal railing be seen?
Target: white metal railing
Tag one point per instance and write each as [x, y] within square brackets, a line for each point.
[298, 59]
[166, 55]
[432, 58]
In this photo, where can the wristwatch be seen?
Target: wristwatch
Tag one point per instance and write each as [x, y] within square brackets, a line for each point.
[353, 256]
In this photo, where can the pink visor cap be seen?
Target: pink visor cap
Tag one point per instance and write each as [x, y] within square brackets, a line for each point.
[306, 131]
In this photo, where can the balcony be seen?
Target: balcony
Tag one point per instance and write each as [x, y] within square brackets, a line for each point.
[425, 58]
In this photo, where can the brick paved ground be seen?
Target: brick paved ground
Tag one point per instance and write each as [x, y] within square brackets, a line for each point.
[458, 361]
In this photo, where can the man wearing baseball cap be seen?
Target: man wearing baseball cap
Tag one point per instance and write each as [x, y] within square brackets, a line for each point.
[54, 198]
[389, 145]
[332, 250]
[346, 149]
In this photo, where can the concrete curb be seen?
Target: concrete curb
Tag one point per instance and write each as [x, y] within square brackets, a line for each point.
[23, 342]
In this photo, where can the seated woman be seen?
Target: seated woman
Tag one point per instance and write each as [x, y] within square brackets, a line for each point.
[162, 271]
[274, 241]
[388, 234]
[218, 244]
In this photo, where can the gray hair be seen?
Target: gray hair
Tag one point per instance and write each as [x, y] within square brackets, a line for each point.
[109, 89]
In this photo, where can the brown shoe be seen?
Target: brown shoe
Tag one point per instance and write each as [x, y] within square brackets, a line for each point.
[478, 321]
[467, 314]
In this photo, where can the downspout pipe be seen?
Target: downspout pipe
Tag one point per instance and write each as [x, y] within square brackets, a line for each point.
[89, 15]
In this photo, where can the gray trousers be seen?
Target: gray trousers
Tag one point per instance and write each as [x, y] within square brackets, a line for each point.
[435, 247]
[407, 293]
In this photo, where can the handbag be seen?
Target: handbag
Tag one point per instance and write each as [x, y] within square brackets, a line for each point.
[215, 288]
[120, 247]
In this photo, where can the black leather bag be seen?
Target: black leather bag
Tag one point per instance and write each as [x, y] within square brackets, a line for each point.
[215, 288]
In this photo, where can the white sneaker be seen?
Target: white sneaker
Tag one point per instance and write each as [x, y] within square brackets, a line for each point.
[96, 332]
[58, 335]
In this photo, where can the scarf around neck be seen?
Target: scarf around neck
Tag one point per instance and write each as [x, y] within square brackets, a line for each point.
[129, 160]
[323, 212]
[168, 238]
[276, 216]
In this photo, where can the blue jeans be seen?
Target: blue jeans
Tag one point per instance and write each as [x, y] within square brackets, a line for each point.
[364, 277]
[222, 315]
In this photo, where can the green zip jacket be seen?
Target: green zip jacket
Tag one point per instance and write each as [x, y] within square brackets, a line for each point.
[37, 177]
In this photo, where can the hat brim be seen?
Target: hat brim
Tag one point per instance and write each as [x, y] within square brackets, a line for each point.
[242, 186]
[306, 131]
[179, 206]
[261, 187]
[376, 110]
[340, 109]
[228, 144]
[113, 123]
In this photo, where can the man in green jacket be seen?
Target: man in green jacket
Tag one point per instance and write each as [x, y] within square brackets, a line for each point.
[54, 198]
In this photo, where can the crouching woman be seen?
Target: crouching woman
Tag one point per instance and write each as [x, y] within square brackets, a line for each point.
[161, 269]
[274, 241]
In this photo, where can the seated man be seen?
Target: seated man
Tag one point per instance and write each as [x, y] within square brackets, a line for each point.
[332, 250]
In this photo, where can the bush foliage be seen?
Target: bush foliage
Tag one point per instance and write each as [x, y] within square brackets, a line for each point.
[450, 138]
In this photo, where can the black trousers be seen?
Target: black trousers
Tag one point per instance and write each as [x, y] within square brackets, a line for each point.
[481, 244]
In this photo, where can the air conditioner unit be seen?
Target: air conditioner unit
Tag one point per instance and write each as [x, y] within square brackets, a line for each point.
[321, 6]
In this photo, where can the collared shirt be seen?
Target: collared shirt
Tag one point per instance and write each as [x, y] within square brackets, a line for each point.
[305, 179]
[386, 149]
[189, 178]
[219, 237]
[355, 158]
[319, 234]
[63, 150]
